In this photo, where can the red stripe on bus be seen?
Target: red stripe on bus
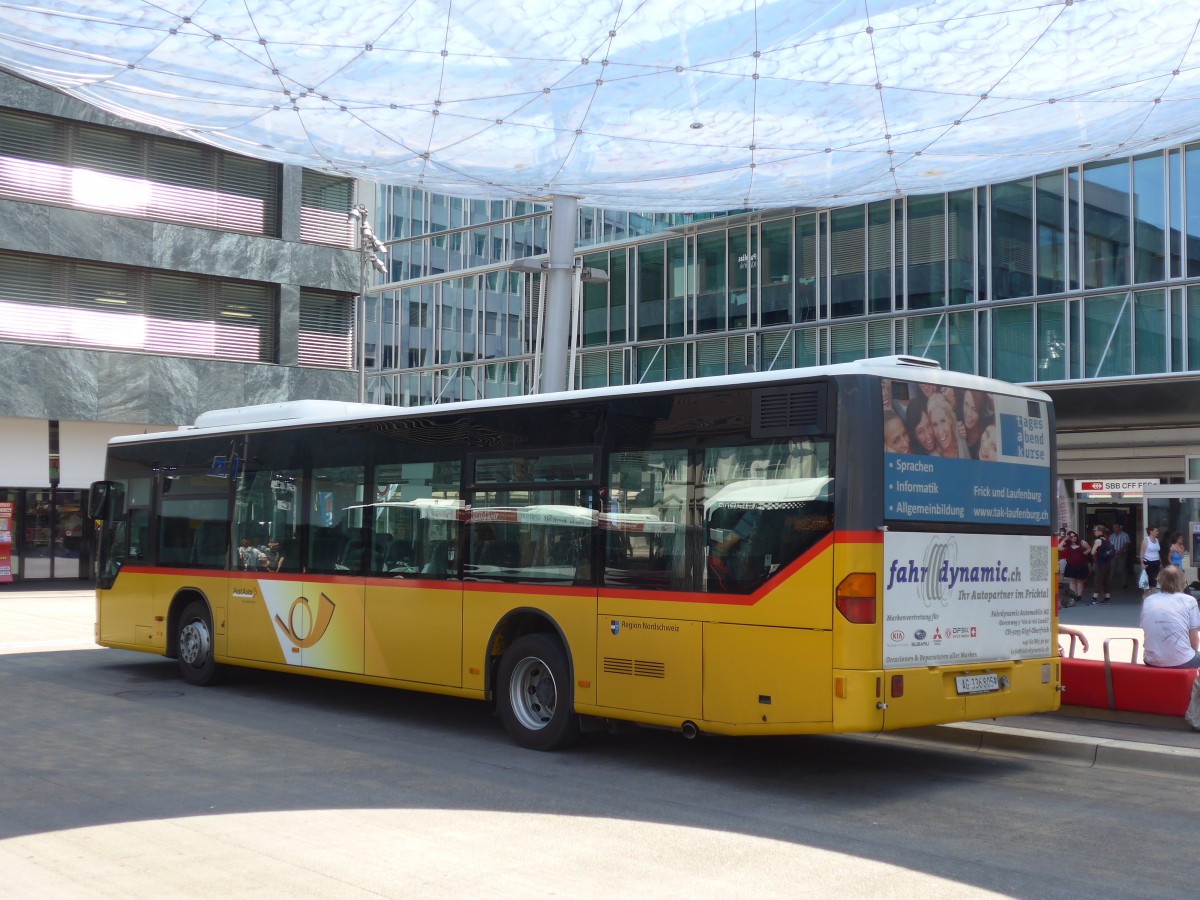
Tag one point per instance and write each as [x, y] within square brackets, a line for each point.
[858, 537]
[500, 587]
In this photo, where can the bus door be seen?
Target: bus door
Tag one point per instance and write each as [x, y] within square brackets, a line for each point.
[413, 593]
[265, 547]
[326, 622]
[298, 596]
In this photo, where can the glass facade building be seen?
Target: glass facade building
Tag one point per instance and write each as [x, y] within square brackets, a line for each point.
[1083, 281]
[1086, 273]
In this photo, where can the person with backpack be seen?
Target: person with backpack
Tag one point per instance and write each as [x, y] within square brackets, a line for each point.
[1075, 553]
[1102, 552]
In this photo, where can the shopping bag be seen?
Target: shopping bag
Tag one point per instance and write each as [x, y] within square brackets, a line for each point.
[1144, 581]
[1192, 716]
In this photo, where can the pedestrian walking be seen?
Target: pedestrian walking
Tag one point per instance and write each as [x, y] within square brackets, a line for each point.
[1075, 553]
[1178, 549]
[1102, 553]
[1151, 555]
[1120, 564]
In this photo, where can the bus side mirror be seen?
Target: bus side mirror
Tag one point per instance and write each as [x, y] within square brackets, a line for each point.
[103, 498]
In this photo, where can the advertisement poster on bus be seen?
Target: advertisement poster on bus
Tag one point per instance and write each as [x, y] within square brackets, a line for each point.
[956, 455]
[965, 598]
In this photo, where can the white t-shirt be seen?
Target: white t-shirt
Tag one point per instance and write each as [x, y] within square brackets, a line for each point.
[1150, 551]
[1167, 621]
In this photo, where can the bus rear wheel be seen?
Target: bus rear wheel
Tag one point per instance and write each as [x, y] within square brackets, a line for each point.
[195, 644]
[536, 703]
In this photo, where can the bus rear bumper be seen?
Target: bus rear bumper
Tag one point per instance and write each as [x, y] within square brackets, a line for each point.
[910, 698]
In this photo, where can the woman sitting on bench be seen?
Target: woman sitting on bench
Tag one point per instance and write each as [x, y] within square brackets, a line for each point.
[1171, 624]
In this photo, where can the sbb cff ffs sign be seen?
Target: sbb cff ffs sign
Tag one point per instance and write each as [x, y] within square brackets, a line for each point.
[1114, 486]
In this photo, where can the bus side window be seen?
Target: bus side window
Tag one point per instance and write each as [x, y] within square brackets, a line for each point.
[335, 515]
[642, 517]
[323, 549]
[761, 516]
[413, 512]
[439, 560]
[210, 542]
[266, 514]
[193, 520]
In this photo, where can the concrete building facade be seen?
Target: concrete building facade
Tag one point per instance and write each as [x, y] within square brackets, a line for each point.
[143, 280]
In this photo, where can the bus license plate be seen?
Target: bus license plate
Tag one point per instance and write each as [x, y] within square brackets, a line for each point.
[977, 684]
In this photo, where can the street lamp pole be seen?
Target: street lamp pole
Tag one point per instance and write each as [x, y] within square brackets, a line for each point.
[560, 277]
[361, 319]
[368, 246]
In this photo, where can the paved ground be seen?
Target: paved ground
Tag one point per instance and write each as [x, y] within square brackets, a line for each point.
[51, 617]
[1116, 622]
[46, 618]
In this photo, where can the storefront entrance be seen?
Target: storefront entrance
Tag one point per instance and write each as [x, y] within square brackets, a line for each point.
[50, 541]
[1109, 513]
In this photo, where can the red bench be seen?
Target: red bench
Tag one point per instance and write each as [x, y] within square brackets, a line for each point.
[1126, 686]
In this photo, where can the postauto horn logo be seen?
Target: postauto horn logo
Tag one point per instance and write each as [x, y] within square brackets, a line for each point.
[303, 628]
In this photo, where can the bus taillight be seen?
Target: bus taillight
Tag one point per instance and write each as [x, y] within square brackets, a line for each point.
[856, 598]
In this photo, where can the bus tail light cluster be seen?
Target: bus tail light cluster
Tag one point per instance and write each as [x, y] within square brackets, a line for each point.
[856, 598]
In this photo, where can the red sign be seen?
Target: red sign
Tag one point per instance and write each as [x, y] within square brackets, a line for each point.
[1114, 485]
[7, 511]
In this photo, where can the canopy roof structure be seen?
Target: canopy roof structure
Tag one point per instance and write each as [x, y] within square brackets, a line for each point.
[683, 105]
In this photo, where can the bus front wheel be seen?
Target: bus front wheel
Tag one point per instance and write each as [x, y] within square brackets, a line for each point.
[536, 703]
[195, 643]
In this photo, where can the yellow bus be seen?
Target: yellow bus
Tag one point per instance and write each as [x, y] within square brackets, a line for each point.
[851, 548]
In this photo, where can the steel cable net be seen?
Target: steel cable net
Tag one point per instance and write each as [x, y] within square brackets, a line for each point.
[655, 105]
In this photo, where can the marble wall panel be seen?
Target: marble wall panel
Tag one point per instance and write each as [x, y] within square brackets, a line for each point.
[70, 384]
[289, 325]
[323, 268]
[17, 93]
[266, 384]
[23, 375]
[220, 253]
[345, 271]
[130, 241]
[124, 386]
[173, 388]
[24, 227]
[290, 200]
[323, 384]
[105, 386]
[76, 234]
[251, 258]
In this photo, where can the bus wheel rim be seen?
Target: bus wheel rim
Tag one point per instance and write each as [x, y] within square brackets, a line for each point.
[533, 693]
[195, 643]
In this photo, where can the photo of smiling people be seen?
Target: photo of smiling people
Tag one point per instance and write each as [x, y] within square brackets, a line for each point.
[927, 420]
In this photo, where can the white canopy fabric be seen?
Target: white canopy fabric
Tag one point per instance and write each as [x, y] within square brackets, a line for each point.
[682, 105]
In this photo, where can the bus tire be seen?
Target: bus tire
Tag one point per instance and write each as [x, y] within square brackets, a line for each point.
[195, 643]
[536, 703]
